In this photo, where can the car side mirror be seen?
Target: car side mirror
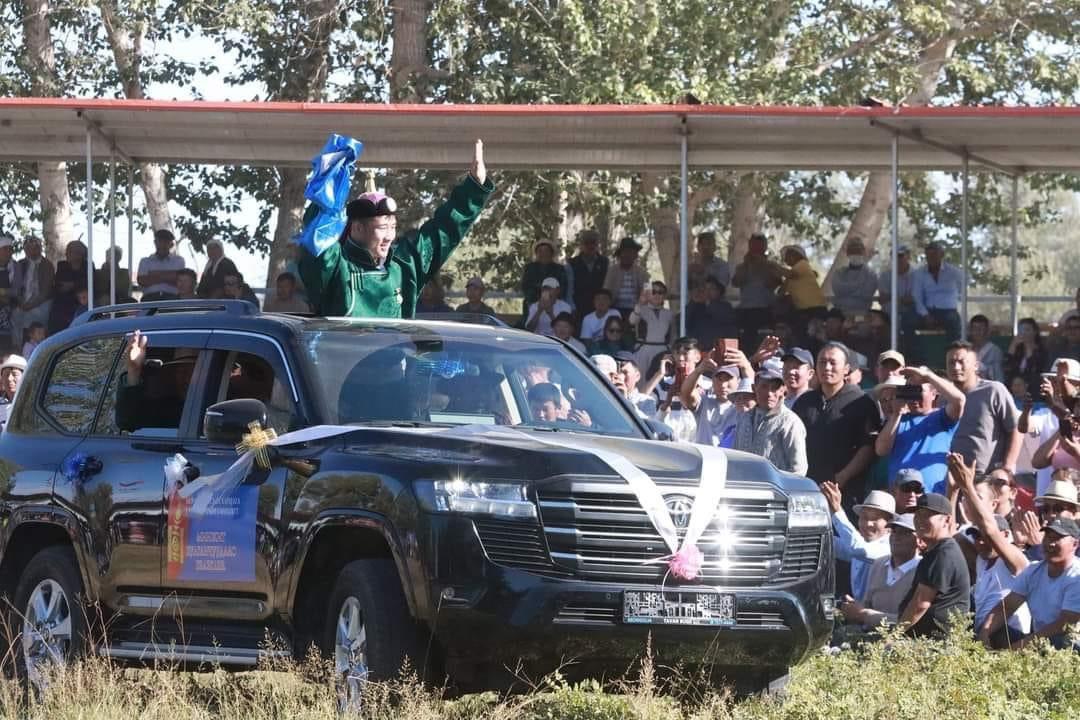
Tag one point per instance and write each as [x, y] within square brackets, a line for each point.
[226, 422]
[660, 431]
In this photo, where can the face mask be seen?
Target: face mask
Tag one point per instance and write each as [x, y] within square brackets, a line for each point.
[856, 261]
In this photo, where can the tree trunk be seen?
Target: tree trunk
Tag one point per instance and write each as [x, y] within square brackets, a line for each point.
[126, 43]
[746, 217]
[408, 60]
[57, 227]
[290, 211]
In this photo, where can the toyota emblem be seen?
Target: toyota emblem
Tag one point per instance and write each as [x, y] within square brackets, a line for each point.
[679, 507]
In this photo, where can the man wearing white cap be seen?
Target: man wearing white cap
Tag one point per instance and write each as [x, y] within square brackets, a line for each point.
[212, 282]
[543, 312]
[11, 372]
[870, 542]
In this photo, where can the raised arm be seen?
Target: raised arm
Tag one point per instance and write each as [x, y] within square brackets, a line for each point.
[981, 515]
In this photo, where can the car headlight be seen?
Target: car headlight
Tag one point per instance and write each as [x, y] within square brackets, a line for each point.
[499, 499]
[808, 510]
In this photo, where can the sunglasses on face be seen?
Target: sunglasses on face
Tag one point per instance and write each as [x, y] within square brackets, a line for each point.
[614, 331]
[912, 487]
[1057, 509]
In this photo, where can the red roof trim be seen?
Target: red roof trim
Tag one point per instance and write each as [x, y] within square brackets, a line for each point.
[91, 104]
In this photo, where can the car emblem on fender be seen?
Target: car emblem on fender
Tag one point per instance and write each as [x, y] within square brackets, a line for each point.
[679, 507]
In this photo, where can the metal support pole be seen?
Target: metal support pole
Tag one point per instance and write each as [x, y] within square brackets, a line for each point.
[1014, 258]
[964, 249]
[894, 299]
[89, 219]
[131, 225]
[684, 232]
[112, 230]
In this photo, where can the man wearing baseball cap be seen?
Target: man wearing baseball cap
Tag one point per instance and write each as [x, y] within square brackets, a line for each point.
[798, 371]
[474, 293]
[889, 578]
[1051, 589]
[907, 486]
[543, 312]
[369, 273]
[942, 586]
[771, 430]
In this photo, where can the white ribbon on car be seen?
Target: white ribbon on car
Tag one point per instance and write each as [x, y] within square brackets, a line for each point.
[685, 558]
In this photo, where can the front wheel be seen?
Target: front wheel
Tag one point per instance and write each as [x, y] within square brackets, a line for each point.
[368, 631]
[51, 615]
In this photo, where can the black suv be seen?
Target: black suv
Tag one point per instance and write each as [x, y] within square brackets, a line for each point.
[455, 517]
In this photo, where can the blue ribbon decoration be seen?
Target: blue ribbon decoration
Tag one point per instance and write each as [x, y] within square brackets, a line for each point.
[77, 467]
[327, 190]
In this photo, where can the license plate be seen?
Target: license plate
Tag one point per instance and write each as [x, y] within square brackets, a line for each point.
[678, 607]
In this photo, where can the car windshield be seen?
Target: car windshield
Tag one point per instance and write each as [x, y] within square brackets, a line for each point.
[381, 376]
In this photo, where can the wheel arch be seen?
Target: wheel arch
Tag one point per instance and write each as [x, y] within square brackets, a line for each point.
[32, 529]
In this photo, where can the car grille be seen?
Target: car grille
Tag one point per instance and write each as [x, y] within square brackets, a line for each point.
[598, 531]
[517, 545]
[611, 614]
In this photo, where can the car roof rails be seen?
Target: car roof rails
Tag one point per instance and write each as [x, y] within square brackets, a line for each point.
[160, 307]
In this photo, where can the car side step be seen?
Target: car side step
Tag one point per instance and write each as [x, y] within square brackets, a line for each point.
[209, 654]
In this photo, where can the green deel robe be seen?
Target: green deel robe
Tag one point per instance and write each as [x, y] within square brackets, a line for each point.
[344, 280]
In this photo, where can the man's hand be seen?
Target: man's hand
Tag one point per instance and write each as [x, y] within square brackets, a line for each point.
[918, 375]
[478, 169]
[852, 609]
[831, 491]
[135, 357]
[1032, 528]
[707, 364]
[766, 350]
[960, 473]
[580, 417]
[737, 357]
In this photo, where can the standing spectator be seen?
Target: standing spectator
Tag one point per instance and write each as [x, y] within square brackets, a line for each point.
[919, 432]
[905, 290]
[285, 299]
[474, 294]
[237, 289]
[70, 278]
[854, 285]
[942, 585]
[157, 272]
[938, 288]
[593, 324]
[212, 283]
[771, 430]
[185, 284]
[35, 335]
[103, 278]
[1061, 450]
[543, 312]
[802, 287]
[1067, 344]
[708, 315]
[1027, 355]
[841, 422]
[888, 365]
[433, 297]
[907, 487]
[33, 290]
[538, 271]
[645, 403]
[8, 282]
[889, 579]
[991, 358]
[1038, 425]
[11, 372]
[1072, 312]
[870, 542]
[987, 431]
[757, 278]
[563, 328]
[588, 269]
[1050, 588]
[625, 280]
[798, 372]
[658, 321]
[711, 406]
[705, 263]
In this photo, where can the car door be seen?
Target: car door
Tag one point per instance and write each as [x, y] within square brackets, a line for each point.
[122, 498]
[234, 547]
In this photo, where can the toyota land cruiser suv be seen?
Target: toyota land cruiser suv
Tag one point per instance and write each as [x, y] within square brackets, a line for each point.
[453, 517]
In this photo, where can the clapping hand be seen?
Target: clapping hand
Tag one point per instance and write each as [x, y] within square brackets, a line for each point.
[831, 491]
[766, 350]
[960, 473]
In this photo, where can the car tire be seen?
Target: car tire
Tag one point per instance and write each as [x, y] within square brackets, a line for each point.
[49, 615]
[369, 632]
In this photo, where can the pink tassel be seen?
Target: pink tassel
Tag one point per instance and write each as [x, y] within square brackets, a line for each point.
[686, 563]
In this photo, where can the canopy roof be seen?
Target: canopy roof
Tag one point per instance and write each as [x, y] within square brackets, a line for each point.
[629, 137]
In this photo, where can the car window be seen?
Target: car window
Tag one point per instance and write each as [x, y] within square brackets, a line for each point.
[246, 375]
[153, 407]
[77, 381]
[397, 377]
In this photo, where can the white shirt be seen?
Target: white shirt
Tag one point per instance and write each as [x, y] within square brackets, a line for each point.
[1042, 424]
[713, 417]
[993, 583]
[644, 403]
[543, 325]
[592, 327]
[152, 263]
[893, 574]
[681, 421]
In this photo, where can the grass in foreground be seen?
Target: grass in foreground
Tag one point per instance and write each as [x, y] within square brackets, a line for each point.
[924, 680]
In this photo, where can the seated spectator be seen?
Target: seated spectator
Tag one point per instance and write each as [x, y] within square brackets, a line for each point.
[757, 278]
[907, 487]
[798, 372]
[999, 561]
[563, 329]
[537, 272]
[706, 265]
[625, 279]
[543, 312]
[185, 284]
[474, 294]
[70, 278]
[801, 286]
[710, 407]
[771, 430]
[1067, 343]
[917, 433]
[35, 335]
[285, 298]
[905, 276]
[1027, 356]
[991, 358]
[657, 320]
[937, 289]
[433, 297]
[645, 403]
[854, 285]
[942, 585]
[614, 339]
[593, 324]
[863, 546]
[889, 579]
[1050, 588]
[212, 284]
[237, 289]
[1059, 500]
[157, 272]
[103, 278]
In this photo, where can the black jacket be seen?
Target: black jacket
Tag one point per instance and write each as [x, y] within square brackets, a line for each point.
[587, 282]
